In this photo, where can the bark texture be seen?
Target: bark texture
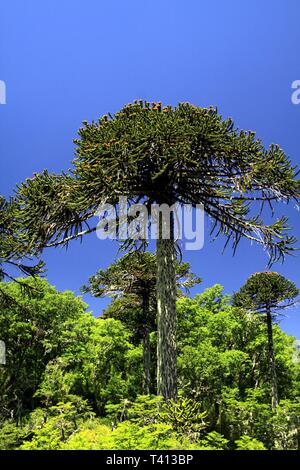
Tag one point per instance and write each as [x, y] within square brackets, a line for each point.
[272, 363]
[166, 316]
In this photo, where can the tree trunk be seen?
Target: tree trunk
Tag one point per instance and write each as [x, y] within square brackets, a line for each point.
[146, 348]
[166, 315]
[272, 364]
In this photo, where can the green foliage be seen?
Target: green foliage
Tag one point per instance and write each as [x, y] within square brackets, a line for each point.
[131, 282]
[32, 329]
[97, 363]
[251, 416]
[183, 418]
[93, 436]
[214, 441]
[126, 436]
[286, 425]
[11, 435]
[266, 289]
[144, 410]
[248, 443]
[55, 425]
[184, 154]
[134, 273]
[277, 429]
[186, 417]
[132, 436]
[183, 415]
[80, 379]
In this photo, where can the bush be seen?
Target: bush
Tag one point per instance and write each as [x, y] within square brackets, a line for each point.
[249, 443]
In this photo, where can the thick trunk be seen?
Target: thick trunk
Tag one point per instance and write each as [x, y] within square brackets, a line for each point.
[166, 316]
[272, 364]
[146, 348]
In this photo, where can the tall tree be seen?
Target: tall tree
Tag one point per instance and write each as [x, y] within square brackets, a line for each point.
[132, 281]
[150, 154]
[267, 293]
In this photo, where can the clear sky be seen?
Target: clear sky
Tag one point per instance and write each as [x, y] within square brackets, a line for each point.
[70, 60]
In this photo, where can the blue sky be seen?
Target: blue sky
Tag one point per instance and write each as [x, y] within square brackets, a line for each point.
[67, 61]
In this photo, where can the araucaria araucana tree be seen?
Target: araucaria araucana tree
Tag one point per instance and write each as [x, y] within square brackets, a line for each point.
[267, 293]
[164, 155]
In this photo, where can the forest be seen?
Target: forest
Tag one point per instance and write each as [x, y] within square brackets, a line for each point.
[73, 381]
[160, 368]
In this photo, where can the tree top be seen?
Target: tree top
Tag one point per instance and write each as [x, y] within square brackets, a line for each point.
[156, 154]
[266, 290]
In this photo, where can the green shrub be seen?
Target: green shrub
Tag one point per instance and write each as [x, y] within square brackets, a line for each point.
[249, 443]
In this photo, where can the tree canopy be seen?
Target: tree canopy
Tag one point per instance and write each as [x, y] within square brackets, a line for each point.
[151, 153]
[73, 381]
[266, 289]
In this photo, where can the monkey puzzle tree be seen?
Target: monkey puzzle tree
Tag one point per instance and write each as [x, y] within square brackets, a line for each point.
[131, 282]
[184, 155]
[267, 293]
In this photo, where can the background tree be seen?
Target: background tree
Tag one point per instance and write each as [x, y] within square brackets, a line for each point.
[267, 293]
[31, 326]
[131, 281]
[150, 154]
